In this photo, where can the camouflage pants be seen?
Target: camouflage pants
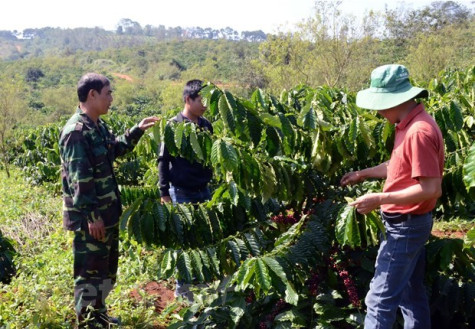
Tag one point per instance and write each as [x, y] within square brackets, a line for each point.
[95, 270]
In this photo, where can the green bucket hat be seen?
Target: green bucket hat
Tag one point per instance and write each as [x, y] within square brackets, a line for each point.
[390, 87]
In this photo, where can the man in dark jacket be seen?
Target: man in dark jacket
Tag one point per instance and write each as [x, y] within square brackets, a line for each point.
[91, 198]
[181, 180]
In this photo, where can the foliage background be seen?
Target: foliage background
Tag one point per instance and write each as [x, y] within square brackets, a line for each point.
[329, 53]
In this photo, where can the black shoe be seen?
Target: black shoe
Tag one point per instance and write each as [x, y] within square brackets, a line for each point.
[99, 321]
[92, 324]
[89, 322]
[107, 321]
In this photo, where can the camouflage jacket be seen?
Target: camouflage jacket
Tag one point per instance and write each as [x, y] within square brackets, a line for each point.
[90, 190]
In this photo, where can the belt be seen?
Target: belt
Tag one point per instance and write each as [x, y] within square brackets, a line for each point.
[191, 190]
[396, 217]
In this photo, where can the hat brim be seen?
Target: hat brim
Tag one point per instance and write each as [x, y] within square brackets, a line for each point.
[371, 100]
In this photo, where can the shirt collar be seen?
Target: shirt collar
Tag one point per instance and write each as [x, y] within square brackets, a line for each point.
[183, 118]
[87, 120]
[417, 110]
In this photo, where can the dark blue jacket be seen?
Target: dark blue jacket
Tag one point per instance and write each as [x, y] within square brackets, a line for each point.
[180, 172]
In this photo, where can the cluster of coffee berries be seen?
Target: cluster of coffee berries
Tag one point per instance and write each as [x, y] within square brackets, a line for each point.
[350, 288]
[262, 325]
[289, 218]
[278, 307]
[318, 200]
[251, 297]
[347, 280]
[313, 282]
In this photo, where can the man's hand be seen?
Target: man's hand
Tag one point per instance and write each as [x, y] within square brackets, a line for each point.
[368, 202]
[352, 178]
[148, 122]
[166, 199]
[97, 230]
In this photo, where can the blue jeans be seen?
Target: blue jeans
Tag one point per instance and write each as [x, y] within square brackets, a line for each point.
[182, 195]
[398, 280]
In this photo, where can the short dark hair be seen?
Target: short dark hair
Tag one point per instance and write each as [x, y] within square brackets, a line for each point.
[192, 89]
[91, 81]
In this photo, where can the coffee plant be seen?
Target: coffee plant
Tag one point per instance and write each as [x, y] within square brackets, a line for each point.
[277, 243]
[36, 152]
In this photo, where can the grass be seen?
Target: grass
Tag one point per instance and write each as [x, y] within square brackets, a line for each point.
[41, 294]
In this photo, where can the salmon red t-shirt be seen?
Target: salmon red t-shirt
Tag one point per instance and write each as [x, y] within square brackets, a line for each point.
[418, 152]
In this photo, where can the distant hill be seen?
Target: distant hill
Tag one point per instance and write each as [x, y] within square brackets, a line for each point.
[47, 41]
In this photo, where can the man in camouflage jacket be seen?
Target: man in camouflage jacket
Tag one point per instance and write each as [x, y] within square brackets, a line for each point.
[91, 198]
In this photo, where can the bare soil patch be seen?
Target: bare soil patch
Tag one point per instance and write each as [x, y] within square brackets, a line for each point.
[123, 76]
[453, 234]
[161, 294]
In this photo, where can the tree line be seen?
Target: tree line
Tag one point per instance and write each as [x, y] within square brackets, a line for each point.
[148, 68]
[33, 42]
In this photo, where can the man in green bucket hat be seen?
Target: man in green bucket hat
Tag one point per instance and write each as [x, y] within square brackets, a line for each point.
[413, 184]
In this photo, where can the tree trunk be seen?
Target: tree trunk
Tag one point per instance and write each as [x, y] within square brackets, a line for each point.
[6, 169]
[5, 159]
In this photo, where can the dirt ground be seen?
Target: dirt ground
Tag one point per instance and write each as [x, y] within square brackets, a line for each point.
[449, 234]
[159, 292]
[162, 294]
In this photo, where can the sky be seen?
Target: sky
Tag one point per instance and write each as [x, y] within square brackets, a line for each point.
[269, 16]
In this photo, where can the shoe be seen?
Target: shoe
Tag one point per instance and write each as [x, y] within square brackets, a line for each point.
[99, 321]
[88, 322]
[91, 324]
[107, 321]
